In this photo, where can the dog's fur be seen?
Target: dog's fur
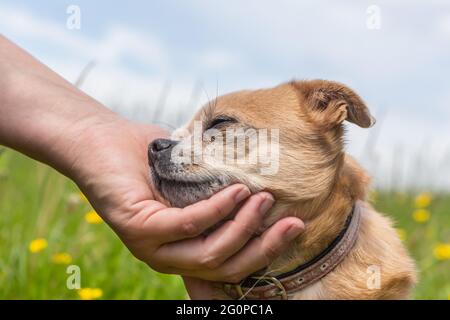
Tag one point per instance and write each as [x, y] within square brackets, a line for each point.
[316, 182]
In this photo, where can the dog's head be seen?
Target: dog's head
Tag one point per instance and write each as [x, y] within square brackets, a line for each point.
[286, 140]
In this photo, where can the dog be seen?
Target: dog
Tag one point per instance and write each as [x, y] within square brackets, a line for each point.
[348, 250]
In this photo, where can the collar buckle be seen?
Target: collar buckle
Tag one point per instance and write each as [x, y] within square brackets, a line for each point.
[280, 290]
[275, 282]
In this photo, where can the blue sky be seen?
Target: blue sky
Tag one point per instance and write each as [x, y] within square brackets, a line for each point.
[162, 59]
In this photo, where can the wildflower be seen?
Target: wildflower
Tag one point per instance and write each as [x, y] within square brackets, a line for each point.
[62, 258]
[423, 200]
[442, 251]
[92, 217]
[421, 215]
[90, 293]
[401, 234]
[37, 245]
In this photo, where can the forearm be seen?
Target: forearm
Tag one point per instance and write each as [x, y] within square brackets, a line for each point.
[41, 114]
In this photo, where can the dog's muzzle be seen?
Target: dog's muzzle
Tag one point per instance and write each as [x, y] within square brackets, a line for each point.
[160, 150]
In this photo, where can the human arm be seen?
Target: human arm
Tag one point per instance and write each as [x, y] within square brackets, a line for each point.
[50, 120]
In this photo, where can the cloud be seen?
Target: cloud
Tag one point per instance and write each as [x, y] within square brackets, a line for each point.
[121, 41]
[118, 43]
[112, 81]
[149, 73]
[218, 59]
[444, 25]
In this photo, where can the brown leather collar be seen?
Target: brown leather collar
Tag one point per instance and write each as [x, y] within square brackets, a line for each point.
[281, 286]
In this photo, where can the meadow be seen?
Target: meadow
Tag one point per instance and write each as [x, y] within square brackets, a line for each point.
[46, 225]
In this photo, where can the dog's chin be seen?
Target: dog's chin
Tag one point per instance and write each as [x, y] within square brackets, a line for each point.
[181, 193]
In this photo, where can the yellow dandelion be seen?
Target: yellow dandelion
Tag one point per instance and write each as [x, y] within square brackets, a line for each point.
[92, 217]
[442, 251]
[90, 293]
[423, 200]
[401, 234]
[62, 258]
[37, 245]
[421, 215]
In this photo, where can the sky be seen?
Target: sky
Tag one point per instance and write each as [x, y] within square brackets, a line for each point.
[158, 61]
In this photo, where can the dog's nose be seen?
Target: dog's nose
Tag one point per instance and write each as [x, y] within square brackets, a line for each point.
[161, 144]
[158, 146]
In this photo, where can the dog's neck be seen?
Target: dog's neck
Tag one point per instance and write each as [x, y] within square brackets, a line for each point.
[324, 217]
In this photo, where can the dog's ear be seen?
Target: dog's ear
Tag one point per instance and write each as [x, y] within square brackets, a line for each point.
[331, 103]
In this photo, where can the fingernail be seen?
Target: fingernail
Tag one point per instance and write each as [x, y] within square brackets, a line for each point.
[266, 204]
[244, 193]
[293, 231]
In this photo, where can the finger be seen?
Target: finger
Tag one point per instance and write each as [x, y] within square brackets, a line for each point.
[199, 289]
[233, 235]
[208, 253]
[257, 254]
[177, 224]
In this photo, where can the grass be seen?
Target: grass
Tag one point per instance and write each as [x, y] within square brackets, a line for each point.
[36, 202]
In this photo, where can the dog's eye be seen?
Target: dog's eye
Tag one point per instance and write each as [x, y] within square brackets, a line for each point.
[221, 120]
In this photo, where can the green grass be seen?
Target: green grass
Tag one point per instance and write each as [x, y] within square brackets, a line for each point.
[34, 203]
[422, 238]
[37, 202]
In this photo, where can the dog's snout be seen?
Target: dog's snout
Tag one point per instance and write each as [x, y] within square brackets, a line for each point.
[161, 144]
[158, 146]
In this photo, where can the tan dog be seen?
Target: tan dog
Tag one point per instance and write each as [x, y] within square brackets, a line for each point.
[313, 179]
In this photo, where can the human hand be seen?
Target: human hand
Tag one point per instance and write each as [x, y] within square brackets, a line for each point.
[109, 163]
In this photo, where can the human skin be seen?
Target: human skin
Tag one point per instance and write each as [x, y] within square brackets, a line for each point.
[47, 118]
